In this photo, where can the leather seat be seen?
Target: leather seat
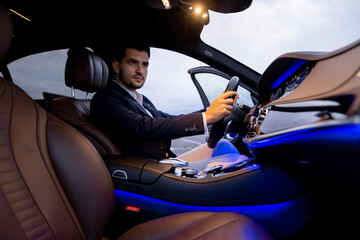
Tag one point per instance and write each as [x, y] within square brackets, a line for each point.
[87, 72]
[54, 184]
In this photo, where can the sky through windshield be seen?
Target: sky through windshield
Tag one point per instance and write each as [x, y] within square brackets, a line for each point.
[269, 28]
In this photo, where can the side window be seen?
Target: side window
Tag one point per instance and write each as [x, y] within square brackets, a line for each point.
[42, 72]
[170, 88]
[213, 85]
[168, 84]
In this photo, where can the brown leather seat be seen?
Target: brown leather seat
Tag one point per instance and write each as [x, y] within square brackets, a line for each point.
[87, 72]
[54, 184]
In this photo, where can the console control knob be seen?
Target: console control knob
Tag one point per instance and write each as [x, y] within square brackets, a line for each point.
[185, 172]
[189, 171]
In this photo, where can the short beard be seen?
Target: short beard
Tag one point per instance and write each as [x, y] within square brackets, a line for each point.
[129, 85]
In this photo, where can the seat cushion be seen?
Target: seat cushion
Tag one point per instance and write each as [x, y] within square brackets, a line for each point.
[199, 225]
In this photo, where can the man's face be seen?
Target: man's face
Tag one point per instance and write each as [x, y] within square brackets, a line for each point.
[133, 68]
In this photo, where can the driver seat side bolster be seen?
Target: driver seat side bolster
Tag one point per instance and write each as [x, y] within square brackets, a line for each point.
[33, 203]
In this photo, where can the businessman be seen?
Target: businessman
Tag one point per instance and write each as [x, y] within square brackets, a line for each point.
[132, 121]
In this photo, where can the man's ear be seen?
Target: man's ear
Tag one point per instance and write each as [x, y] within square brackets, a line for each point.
[116, 66]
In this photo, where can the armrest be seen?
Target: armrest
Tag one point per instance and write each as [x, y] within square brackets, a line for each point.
[135, 169]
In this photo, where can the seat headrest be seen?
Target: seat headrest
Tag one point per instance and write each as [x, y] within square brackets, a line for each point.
[6, 31]
[85, 70]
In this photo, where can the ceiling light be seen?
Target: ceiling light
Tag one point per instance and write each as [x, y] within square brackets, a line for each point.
[20, 15]
[198, 10]
[195, 9]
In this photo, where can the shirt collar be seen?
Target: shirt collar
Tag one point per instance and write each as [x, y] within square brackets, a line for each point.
[137, 96]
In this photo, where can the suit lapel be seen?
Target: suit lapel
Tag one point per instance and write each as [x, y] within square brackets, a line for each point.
[151, 108]
[138, 106]
[141, 108]
[129, 97]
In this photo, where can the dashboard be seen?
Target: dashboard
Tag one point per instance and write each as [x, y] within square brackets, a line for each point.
[304, 76]
[307, 121]
[303, 88]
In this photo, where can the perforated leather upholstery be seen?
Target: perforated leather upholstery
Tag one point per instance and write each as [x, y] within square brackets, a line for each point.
[87, 72]
[53, 182]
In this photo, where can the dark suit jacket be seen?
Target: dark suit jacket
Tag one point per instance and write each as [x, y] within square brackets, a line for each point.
[132, 130]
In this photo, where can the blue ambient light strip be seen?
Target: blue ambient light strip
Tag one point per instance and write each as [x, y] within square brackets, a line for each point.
[346, 132]
[280, 219]
[295, 66]
[166, 207]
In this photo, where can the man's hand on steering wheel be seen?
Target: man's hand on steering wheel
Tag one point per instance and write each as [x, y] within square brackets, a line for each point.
[221, 107]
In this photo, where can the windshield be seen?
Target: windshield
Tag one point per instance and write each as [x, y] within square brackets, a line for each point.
[268, 29]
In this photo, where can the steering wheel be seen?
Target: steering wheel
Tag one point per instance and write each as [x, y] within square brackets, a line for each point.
[218, 128]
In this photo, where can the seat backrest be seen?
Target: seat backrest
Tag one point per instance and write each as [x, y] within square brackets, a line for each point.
[53, 182]
[87, 72]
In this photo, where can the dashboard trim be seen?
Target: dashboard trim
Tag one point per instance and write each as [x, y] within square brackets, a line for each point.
[325, 124]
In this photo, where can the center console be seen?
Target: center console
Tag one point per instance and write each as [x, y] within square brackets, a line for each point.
[244, 183]
[161, 188]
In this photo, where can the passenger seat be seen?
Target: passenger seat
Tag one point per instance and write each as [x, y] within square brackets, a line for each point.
[87, 72]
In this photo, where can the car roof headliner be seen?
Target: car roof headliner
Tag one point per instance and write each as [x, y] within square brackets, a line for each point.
[58, 25]
[102, 25]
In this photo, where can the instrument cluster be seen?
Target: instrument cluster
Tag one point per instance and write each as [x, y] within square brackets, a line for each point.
[291, 82]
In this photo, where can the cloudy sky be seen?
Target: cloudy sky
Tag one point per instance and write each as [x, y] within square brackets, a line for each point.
[270, 28]
[254, 37]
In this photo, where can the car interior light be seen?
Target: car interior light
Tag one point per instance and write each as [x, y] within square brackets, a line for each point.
[132, 209]
[196, 9]
[166, 4]
[20, 15]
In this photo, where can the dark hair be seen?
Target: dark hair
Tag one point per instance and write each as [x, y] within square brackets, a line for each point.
[140, 46]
